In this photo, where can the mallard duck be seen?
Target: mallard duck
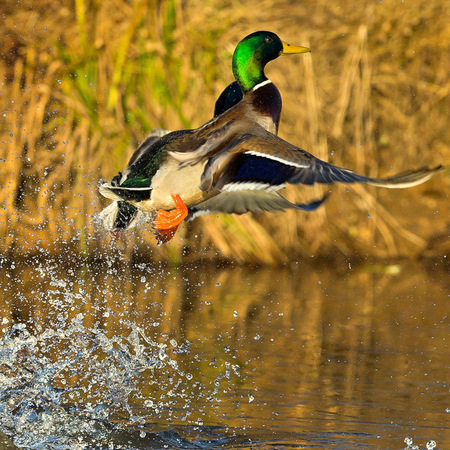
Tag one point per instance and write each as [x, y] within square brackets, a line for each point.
[234, 163]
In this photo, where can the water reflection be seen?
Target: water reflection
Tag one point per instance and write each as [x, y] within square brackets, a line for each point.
[148, 356]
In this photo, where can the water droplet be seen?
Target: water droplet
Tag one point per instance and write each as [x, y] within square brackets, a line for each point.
[218, 284]
[250, 398]
[431, 445]
[235, 313]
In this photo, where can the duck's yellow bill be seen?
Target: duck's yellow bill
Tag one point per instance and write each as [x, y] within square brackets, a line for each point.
[289, 49]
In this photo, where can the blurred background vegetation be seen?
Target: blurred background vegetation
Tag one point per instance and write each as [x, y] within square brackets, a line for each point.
[83, 81]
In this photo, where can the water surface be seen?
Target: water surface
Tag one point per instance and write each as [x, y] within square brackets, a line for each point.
[114, 355]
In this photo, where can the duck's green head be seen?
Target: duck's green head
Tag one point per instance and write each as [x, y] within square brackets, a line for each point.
[254, 52]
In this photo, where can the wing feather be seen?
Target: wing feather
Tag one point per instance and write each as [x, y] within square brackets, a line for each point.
[266, 158]
[240, 202]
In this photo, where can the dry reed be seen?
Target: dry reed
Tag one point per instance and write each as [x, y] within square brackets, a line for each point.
[83, 82]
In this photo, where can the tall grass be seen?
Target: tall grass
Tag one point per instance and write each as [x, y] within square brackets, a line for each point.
[82, 82]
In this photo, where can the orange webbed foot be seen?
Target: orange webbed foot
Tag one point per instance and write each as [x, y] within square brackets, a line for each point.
[166, 220]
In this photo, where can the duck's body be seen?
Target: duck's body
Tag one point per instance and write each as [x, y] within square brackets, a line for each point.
[121, 215]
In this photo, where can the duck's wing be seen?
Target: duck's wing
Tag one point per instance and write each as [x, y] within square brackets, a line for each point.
[189, 145]
[260, 157]
[243, 201]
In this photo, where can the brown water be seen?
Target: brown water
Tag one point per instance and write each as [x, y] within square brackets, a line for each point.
[114, 356]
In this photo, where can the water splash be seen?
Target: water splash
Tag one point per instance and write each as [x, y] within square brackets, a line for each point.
[64, 384]
[94, 377]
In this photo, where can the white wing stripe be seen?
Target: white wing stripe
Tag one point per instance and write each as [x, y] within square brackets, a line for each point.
[277, 158]
[250, 186]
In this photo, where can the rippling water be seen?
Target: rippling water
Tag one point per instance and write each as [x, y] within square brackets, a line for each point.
[111, 355]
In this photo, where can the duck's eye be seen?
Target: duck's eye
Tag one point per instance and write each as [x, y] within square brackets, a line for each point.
[269, 39]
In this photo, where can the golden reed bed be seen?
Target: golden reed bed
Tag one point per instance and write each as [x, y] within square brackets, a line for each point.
[82, 82]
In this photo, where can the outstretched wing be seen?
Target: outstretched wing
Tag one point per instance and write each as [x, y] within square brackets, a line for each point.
[260, 157]
[248, 200]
